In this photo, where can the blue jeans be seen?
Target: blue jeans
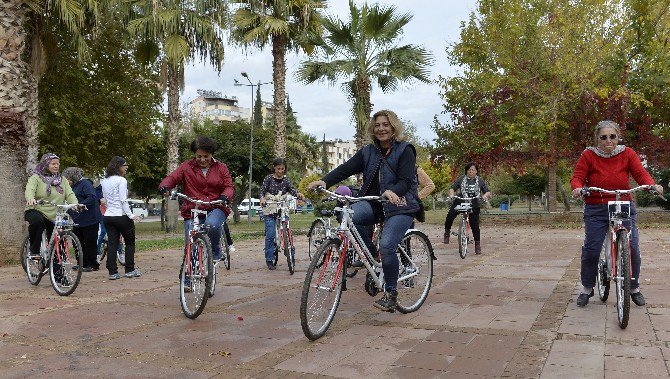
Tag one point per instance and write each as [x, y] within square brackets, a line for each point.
[215, 218]
[270, 231]
[393, 232]
[596, 223]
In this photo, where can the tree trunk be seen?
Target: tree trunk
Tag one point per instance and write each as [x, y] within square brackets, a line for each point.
[279, 78]
[553, 167]
[362, 109]
[566, 199]
[18, 118]
[173, 123]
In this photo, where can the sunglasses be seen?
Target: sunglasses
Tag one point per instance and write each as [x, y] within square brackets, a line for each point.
[611, 136]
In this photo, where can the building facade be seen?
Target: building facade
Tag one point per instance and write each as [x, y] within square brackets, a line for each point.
[214, 106]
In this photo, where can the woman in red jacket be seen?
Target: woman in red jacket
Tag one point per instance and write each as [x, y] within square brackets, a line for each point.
[203, 178]
[607, 165]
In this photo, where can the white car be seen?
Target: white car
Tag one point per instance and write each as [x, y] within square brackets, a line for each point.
[138, 208]
[243, 208]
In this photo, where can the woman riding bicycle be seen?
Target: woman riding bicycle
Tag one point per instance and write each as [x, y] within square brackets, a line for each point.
[207, 179]
[45, 184]
[388, 165]
[273, 184]
[469, 185]
[607, 165]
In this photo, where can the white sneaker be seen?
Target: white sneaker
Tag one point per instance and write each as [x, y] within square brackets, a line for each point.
[231, 248]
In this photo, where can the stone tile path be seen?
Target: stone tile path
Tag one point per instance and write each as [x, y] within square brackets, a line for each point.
[507, 313]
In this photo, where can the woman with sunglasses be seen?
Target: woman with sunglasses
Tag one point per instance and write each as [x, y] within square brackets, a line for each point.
[607, 165]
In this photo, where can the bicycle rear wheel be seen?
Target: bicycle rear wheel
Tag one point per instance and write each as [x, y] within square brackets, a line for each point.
[225, 251]
[288, 249]
[602, 279]
[322, 290]
[623, 278]
[463, 238]
[65, 263]
[315, 237]
[196, 276]
[416, 259]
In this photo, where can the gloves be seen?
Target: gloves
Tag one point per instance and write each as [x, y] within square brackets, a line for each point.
[163, 190]
[224, 198]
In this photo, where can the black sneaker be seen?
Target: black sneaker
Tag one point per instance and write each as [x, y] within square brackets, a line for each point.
[637, 298]
[583, 299]
[388, 302]
[270, 265]
[357, 263]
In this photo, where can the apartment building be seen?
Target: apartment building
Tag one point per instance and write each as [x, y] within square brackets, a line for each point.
[217, 107]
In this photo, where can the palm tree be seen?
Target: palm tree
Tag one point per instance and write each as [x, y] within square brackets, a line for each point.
[287, 25]
[22, 62]
[174, 32]
[364, 50]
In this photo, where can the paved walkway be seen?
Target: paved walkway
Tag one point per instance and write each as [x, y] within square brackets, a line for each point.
[508, 313]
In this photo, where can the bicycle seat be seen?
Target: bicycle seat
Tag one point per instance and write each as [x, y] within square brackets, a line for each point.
[326, 213]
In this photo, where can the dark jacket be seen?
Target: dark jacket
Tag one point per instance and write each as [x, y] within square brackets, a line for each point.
[395, 172]
[86, 195]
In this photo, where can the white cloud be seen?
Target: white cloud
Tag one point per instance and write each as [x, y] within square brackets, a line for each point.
[323, 108]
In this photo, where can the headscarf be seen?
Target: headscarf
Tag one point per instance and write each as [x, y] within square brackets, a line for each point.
[42, 170]
[73, 174]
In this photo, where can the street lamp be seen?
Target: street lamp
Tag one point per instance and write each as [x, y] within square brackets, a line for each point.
[251, 136]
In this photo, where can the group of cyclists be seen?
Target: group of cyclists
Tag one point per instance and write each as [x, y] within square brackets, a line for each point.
[389, 169]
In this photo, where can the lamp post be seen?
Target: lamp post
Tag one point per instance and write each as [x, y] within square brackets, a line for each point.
[251, 135]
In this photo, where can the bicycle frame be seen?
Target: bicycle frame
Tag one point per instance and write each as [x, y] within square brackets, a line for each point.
[282, 220]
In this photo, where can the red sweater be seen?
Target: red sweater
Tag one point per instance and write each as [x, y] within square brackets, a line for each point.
[608, 173]
[217, 182]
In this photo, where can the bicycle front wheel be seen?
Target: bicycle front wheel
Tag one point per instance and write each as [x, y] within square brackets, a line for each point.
[33, 266]
[463, 238]
[623, 278]
[195, 278]
[225, 251]
[322, 290]
[288, 248]
[315, 237]
[416, 271]
[65, 263]
[602, 277]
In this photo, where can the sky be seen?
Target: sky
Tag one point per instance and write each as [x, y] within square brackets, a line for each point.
[322, 108]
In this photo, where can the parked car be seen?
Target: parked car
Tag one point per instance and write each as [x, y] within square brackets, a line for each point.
[138, 208]
[243, 208]
[155, 211]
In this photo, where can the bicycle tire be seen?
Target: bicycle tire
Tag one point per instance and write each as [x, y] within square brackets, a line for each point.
[416, 255]
[623, 271]
[225, 251]
[196, 276]
[463, 238]
[212, 287]
[65, 264]
[34, 268]
[315, 237]
[287, 249]
[602, 279]
[322, 290]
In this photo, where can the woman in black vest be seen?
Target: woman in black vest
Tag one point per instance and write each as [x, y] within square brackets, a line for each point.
[388, 165]
[469, 185]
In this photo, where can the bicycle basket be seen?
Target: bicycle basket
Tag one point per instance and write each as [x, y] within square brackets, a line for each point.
[463, 207]
[612, 209]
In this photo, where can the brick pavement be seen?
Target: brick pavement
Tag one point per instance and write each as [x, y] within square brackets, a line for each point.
[508, 313]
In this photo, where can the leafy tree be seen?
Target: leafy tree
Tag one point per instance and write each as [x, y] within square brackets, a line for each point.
[258, 109]
[324, 156]
[25, 47]
[173, 32]
[287, 25]
[107, 106]
[364, 50]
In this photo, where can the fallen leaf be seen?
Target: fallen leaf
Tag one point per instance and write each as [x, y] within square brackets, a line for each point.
[24, 356]
[240, 318]
[221, 353]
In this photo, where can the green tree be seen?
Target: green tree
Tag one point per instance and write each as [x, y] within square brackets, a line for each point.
[324, 156]
[258, 109]
[25, 48]
[173, 32]
[286, 25]
[528, 72]
[108, 106]
[364, 50]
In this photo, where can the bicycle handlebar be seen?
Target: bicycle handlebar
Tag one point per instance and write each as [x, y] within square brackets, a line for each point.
[586, 191]
[351, 199]
[466, 198]
[196, 201]
[64, 207]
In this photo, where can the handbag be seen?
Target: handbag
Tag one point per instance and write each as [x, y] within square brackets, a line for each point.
[420, 215]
